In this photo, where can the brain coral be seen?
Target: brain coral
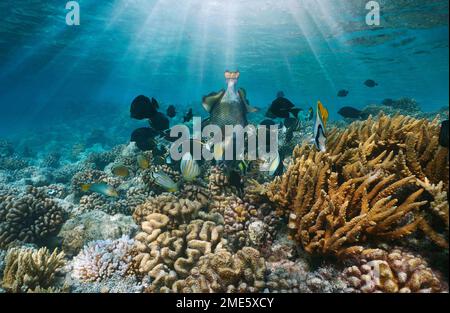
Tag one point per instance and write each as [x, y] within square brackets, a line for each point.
[173, 250]
[28, 217]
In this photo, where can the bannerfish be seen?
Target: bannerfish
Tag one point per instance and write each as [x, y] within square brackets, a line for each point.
[343, 93]
[320, 127]
[228, 107]
[370, 83]
[164, 181]
[144, 138]
[443, 134]
[189, 167]
[142, 162]
[171, 111]
[188, 116]
[120, 170]
[350, 112]
[142, 107]
[101, 188]
[274, 165]
[160, 122]
[282, 107]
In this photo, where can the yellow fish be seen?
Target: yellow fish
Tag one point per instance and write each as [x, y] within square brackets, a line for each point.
[120, 170]
[189, 167]
[323, 113]
[101, 188]
[143, 162]
[320, 138]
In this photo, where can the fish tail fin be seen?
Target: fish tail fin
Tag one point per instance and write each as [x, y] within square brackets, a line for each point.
[86, 187]
[295, 111]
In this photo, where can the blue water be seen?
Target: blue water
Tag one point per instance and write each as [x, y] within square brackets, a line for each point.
[177, 51]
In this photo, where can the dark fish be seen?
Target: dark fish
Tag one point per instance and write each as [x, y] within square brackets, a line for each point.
[171, 111]
[236, 180]
[188, 116]
[443, 135]
[350, 112]
[343, 93]
[291, 123]
[388, 102]
[160, 122]
[370, 83]
[142, 107]
[144, 138]
[282, 107]
[269, 122]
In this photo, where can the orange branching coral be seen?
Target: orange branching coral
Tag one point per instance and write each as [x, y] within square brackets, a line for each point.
[365, 187]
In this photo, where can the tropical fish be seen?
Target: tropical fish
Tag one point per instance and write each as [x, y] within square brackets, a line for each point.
[101, 188]
[291, 123]
[164, 181]
[350, 112]
[443, 134]
[320, 126]
[188, 116]
[144, 138]
[159, 121]
[143, 162]
[142, 107]
[120, 170]
[171, 111]
[228, 107]
[282, 107]
[370, 83]
[189, 167]
[274, 165]
[342, 93]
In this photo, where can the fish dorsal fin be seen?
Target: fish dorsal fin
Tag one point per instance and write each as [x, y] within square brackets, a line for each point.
[323, 113]
[243, 95]
[212, 99]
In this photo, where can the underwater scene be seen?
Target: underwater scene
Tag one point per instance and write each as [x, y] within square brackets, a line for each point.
[224, 146]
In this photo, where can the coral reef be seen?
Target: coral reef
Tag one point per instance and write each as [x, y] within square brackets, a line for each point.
[223, 271]
[28, 269]
[364, 187]
[102, 259]
[92, 226]
[377, 270]
[28, 217]
[168, 252]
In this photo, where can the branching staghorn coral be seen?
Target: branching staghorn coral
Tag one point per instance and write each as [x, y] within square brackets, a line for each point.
[365, 186]
[28, 217]
[29, 270]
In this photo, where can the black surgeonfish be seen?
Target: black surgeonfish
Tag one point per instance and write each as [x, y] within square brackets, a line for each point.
[370, 83]
[171, 111]
[282, 107]
[144, 138]
[350, 112]
[160, 122]
[342, 93]
[443, 135]
[142, 107]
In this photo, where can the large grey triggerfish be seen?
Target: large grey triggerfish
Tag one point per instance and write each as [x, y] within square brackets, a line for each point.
[228, 107]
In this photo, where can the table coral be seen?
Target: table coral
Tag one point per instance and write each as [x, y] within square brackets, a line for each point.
[28, 269]
[28, 217]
